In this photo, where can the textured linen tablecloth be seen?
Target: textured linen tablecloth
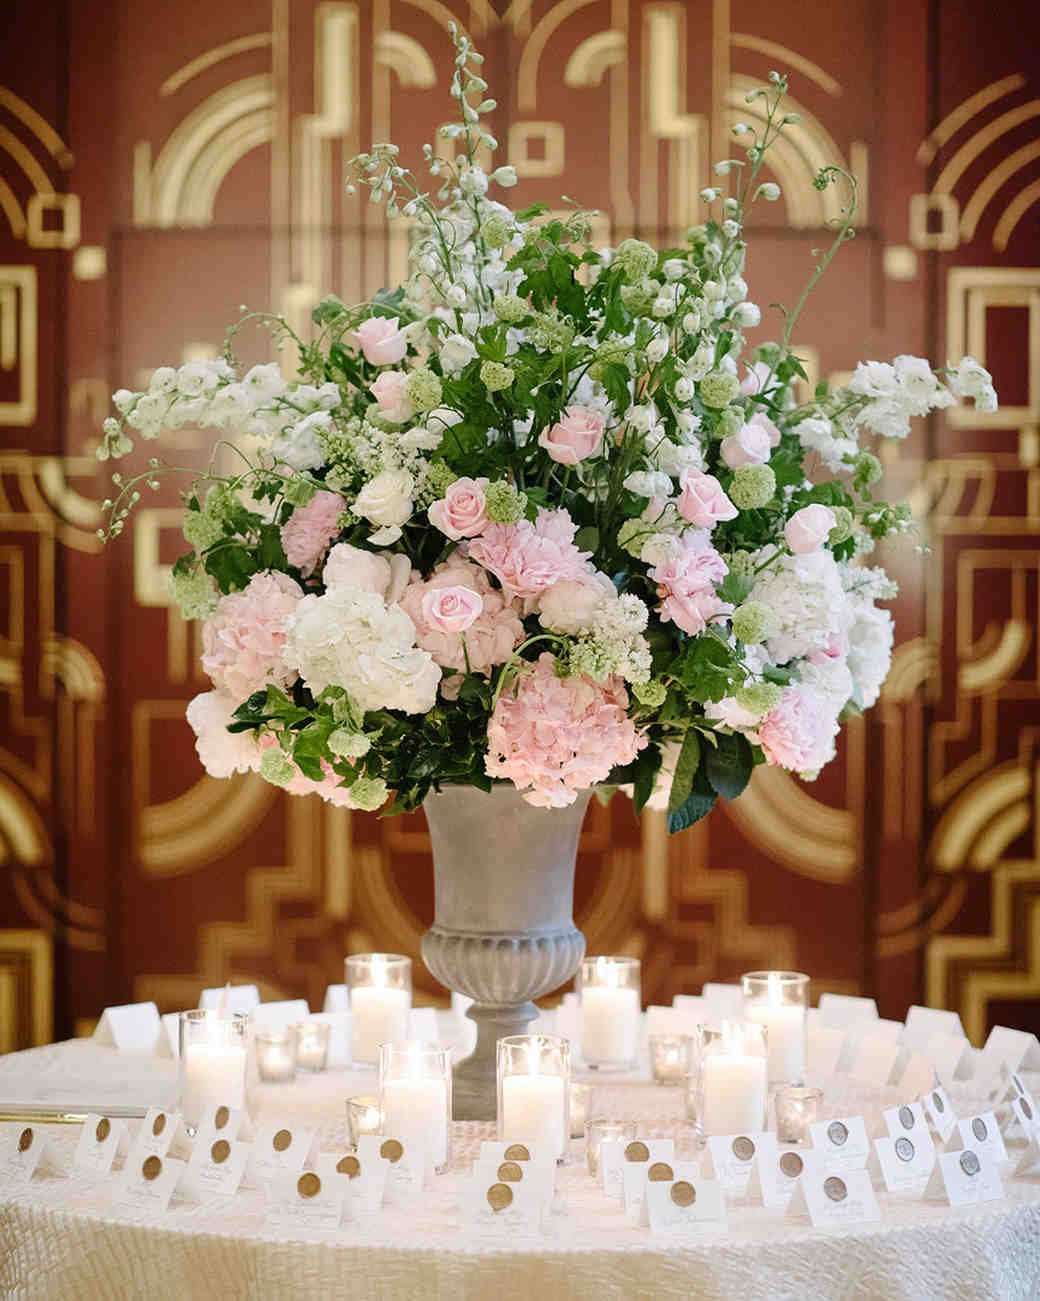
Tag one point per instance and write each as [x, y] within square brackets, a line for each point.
[58, 1238]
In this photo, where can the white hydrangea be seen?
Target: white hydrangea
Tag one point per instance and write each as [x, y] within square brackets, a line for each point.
[871, 638]
[614, 644]
[298, 446]
[806, 596]
[817, 435]
[831, 677]
[673, 458]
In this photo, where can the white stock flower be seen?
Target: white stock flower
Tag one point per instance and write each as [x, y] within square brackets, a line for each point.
[806, 596]
[970, 378]
[298, 445]
[817, 435]
[386, 500]
[657, 349]
[672, 458]
[642, 418]
[870, 649]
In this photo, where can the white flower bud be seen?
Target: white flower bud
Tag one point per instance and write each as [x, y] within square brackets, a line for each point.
[683, 390]
[674, 269]
[709, 195]
[768, 191]
[663, 307]
[746, 315]
[712, 290]
[657, 349]
[504, 176]
[456, 296]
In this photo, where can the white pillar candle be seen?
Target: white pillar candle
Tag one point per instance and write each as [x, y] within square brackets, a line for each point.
[610, 1024]
[533, 1110]
[379, 1014]
[734, 1093]
[785, 1026]
[214, 1074]
[418, 1106]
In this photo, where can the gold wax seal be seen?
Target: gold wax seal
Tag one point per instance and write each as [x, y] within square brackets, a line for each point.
[308, 1185]
[791, 1164]
[683, 1194]
[104, 1128]
[348, 1165]
[516, 1152]
[499, 1196]
[282, 1140]
[835, 1188]
[220, 1151]
[637, 1151]
[391, 1151]
[152, 1167]
[510, 1171]
[743, 1148]
[660, 1172]
[223, 1115]
[158, 1124]
[25, 1140]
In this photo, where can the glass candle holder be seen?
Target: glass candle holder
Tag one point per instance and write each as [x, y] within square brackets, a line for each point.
[796, 1109]
[276, 1055]
[212, 1063]
[779, 1000]
[534, 1074]
[669, 1058]
[415, 1096]
[581, 1097]
[312, 1044]
[380, 986]
[600, 1131]
[730, 1078]
[364, 1116]
[610, 1005]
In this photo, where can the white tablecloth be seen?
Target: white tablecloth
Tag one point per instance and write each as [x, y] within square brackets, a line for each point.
[59, 1240]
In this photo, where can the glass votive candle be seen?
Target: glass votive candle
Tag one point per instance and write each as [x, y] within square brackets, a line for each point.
[669, 1058]
[779, 1000]
[600, 1131]
[415, 1096]
[534, 1075]
[312, 1044]
[380, 986]
[730, 1078]
[212, 1063]
[276, 1055]
[797, 1108]
[363, 1117]
[580, 1098]
[610, 1006]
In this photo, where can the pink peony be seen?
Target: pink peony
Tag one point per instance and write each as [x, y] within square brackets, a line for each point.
[575, 436]
[462, 511]
[381, 340]
[686, 584]
[763, 422]
[807, 529]
[527, 558]
[799, 733]
[452, 609]
[349, 566]
[748, 446]
[552, 737]
[390, 390]
[220, 751]
[243, 639]
[490, 637]
[702, 500]
[307, 532]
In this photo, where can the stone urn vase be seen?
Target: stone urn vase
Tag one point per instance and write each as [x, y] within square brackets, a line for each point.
[503, 933]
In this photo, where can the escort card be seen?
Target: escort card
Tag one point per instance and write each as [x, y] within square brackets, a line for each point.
[918, 1075]
[833, 1200]
[1015, 1050]
[155, 1134]
[539, 1174]
[501, 1211]
[878, 1029]
[940, 1112]
[533, 1158]
[964, 1178]
[305, 1201]
[1029, 1162]
[981, 1134]
[907, 1121]
[843, 1010]
[731, 1158]
[132, 1028]
[776, 1174]
[405, 1160]
[1023, 1114]
[365, 1180]
[923, 1022]
[664, 1020]
[278, 1150]
[279, 1016]
[661, 1172]
[902, 1164]
[682, 1206]
[615, 1154]
[690, 1010]
[337, 999]
[101, 1140]
[724, 1001]
[25, 1152]
[230, 998]
[951, 1055]
[843, 1144]
[636, 1171]
[874, 1059]
[169, 1042]
[223, 1122]
[215, 1170]
[824, 1045]
[1009, 1088]
[148, 1184]
[460, 1003]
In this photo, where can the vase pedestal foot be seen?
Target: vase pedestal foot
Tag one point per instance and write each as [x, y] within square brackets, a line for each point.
[474, 1086]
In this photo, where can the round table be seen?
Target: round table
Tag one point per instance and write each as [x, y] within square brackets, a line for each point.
[58, 1239]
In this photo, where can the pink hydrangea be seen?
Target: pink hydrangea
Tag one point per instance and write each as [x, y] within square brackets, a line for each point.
[686, 581]
[307, 532]
[553, 737]
[527, 558]
[489, 639]
[242, 641]
[799, 733]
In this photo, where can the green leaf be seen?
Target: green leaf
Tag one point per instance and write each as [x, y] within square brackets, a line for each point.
[697, 805]
[734, 588]
[728, 766]
[231, 567]
[685, 770]
[587, 539]
[534, 210]
[646, 766]
[271, 552]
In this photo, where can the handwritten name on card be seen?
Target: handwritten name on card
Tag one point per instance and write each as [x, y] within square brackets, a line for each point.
[906, 1121]
[903, 1164]
[25, 1152]
[147, 1184]
[405, 1159]
[305, 1201]
[776, 1174]
[964, 1178]
[215, 1169]
[834, 1200]
[155, 1134]
[842, 1143]
[364, 1179]
[684, 1207]
[731, 1158]
[981, 1133]
[278, 1150]
[615, 1155]
[501, 1211]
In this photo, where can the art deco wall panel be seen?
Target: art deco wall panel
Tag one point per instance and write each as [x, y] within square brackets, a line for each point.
[152, 182]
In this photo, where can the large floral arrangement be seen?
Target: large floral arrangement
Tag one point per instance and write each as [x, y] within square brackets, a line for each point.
[537, 516]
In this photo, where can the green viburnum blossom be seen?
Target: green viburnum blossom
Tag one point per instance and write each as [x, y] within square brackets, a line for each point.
[368, 793]
[495, 376]
[633, 536]
[504, 503]
[652, 694]
[740, 563]
[614, 352]
[752, 486]
[194, 593]
[510, 308]
[496, 231]
[639, 299]
[346, 744]
[547, 330]
[635, 258]
[759, 697]
[439, 477]
[201, 529]
[868, 470]
[842, 530]
[424, 389]
[752, 622]
[276, 767]
[298, 492]
[731, 421]
[718, 389]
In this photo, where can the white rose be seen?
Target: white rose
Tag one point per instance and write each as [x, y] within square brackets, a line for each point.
[386, 500]
[648, 483]
[659, 548]
[569, 607]
[456, 352]
[672, 458]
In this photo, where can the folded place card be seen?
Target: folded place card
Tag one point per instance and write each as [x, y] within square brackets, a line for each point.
[460, 1003]
[661, 1172]
[615, 1155]
[964, 1178]
[530, 1156]
[874, 1059]
[363, 1178]
[156, 1133]
[906, 1121]
[1024, 1116]
[539, 1175]
[277, 1150]
[902, 1164]
[305, 1201]
[824, 1046]
[730, 1158]
[724, 1001]
[215, 1169]
[644, 1159]
[279, 1016]
[664, 1020]
[981, 1134]
[406, 1163]
[1029, 1162]
[169, 1042]
[501, 1211]
[843, 1010]
[923, 1022]
[684, 1206]
[230, 998]
[25, 1152]
[132, 1028]
[833, 1200]
[842, 1143]
[776, 1174]
[1014, 1050]
[147, 1184]
[101, 1140]
[1008, 1087]
[951, 1055]
[879, 1030]
[918, 1074]
[940, 1112]
[222, 1121]
[337, 999]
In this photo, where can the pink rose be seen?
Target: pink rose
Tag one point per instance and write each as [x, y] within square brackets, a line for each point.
[243, 640]
[380, 339]
[462, 511]
[307, 532]
[575, 436]
[748, 446]
[703, 501]
[490, 637]
[686, 584]
[527, 558]
[755, 378]
[452, 609]
[763, 422]
[799, 733]
[390, 390]
[807, 529]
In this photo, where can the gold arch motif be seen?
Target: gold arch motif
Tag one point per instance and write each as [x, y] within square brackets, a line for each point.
[954, 120]
[14, 214]
[527, 70]
[1008, 646]
[980, 141]
[74, 666]
[10, 143]
[913, 663]
[216, 159]
[405, 57]
[966, 821]
[193, 829]
[37, 124]
[240, 45]
[791, 57]
[976, 205]
[591, 60]
[1013, 214]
